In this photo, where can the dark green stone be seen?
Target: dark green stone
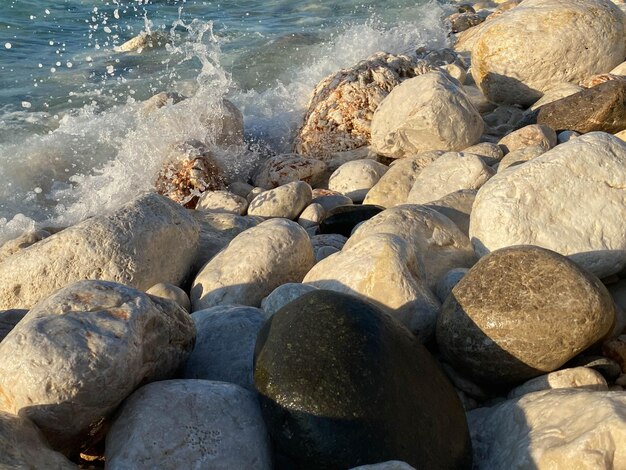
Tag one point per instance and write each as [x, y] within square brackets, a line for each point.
[344, 384]
[343, 219]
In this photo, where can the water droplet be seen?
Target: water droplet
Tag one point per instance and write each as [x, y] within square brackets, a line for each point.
[26, 105]
[8, 45]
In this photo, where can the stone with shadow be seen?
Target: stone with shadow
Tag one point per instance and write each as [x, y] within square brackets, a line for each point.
[343, 384]
[521, 312]
[343, 219]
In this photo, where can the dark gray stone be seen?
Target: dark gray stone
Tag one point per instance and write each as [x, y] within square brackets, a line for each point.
[343, 219]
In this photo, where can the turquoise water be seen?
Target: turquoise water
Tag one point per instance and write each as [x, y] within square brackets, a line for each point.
[72, 142]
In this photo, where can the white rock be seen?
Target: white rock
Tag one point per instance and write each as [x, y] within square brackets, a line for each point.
[170, 292]
[450, 173]
[551, 430]
[394, 186]
[382, 268]
[330, 199]
[535, 134]
[523, 52]
[76, 355]
[517, 157]
[312, 215]
[619, 70]
[433, 240]
[194, 424]
[23, 446]
[457, 207]
[145, 39]
[570, 200]
[283, 169]
[284, 294]
[222, 201]
[23, 241]
[577, 377]
[355, 179]
[254, 192]
[255, 262]
[224, 347]
[490, 153]
[429, 112]
[286, 201]
[147, 241]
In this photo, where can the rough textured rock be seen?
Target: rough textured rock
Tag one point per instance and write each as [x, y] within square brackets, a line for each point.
[288, 201]
[216, 231]
[76, 355]
[463, 21]
[552, 430]
[490, 153]
[253, 265]
[23, 446]
[448, 174]
[342, 105]
[448, 281]
[144, 40]
[382, 268]
[601, 108]
[282, 169]
[615, 349]
[284, 294]
[394, 186]
[355, 179]
[521, 312]
[368, 391]
[8, 320]
[189, 424]
[579, 377]
[504, 120]
[147, 241]
[432, 239]
[595, 80]
[170, 292]
[523, 52]
[222, 201]
[457, 207]
[534, 134]
[570, 200]
[190, 170]
[224, 347]
[555, 93]
[517, 157]
[23, 241]
[429, 112]
[342, 220]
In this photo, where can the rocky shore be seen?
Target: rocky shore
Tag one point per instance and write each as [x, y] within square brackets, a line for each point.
[434, 279]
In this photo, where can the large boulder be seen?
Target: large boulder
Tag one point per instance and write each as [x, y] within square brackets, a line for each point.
[23, 446]
[189, 424]
[556, 430]
[570, 200]
[253, 265]
[76, 355]
[340, 110]
[147, 241]
[343, 384]
[224, 348]
[520, 54]
[429, 112]
[521, 312]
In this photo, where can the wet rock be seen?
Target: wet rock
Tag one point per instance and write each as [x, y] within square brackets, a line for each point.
[601, 108]
[394, 186]
[551, 429]
[340, 110]
[448, 174]
[342, 220]
[23, 446]
[287, 201]
[355, 179]
[554, 201]
[284, 294]
[255, 262]
[528, 136]
[282, 169]
[159, 101]
[368, 392]
[20, 243]
[189, 424]
[170, 292]
[149, 240]
[224, 347]
[580, 377]
[457, 207]
[144, 40]
[506, 322]
[222, 201]
[429, 112]
[58, 359]
[504, 56]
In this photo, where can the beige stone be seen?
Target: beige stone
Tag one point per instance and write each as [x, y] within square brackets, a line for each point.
[283, 169]
[22, 242]
[222, 201]
[577, 377]
[144, 40]
[528, 136]
[555, 93]
[489, 152]
[288, 201]
[457, 207]
[517, 157]
[170, 292]
[312, 215]
[355, 179]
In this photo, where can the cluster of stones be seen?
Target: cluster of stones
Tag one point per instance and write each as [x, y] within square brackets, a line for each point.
[444, 288]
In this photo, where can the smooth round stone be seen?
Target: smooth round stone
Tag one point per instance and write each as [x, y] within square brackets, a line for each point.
[312, 215]
[189, 424]
[284, 294]
[171, 292]
[342, 384]
[329, 199]
[490, 153]
[254, 192]
[579, 377]
[609, 369]
[287, 201]
[521, 312]
[517, 157]
[222, 201]
[534, 134]
[224, 348]
[324, 252]
[457, 207]
[355, 179]
[283, 169]
[343, 219]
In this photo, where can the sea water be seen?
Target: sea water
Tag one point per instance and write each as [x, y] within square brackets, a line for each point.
[73, 140]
